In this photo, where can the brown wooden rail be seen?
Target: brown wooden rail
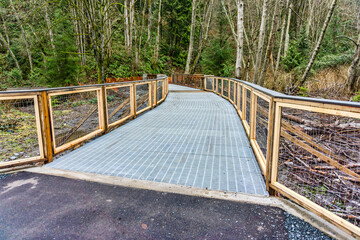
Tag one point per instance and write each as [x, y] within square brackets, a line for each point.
[43, 107]
[269, 126]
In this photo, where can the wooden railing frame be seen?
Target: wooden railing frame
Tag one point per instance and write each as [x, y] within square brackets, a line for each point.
[269, 163]
[44, 117]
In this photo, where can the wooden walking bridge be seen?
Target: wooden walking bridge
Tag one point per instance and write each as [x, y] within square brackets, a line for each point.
[203, 132]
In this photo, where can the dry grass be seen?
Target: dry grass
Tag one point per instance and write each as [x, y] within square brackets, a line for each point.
[329, 83]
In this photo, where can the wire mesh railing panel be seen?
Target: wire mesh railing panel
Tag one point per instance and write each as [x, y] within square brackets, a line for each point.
[231, 91]
[240, 98]
[189, 80]
[262, 121]
[319, 158]
[219, 85]
[209, 83]
[248, 106]
[74, 115]
[18, 130]
[226, 88]
[142, 96]
[118, 103]
[159, 93]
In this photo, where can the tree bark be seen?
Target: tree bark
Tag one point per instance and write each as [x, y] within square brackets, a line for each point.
[260, 48]
[287, 34]
[354, 70]
[23, 34]
[270, 44]
[191, 41]
[149, 27]
[10, 51]
[127, 27]
[280, 48]
[204, 37]
[240, 36]
[316, 50]
[157, 41]
[48, 24]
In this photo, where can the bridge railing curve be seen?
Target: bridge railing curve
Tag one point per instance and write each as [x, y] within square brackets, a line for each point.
[308, 149]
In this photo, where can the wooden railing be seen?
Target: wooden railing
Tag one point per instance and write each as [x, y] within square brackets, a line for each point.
[35, 125]
[308, 149]
[190, 80]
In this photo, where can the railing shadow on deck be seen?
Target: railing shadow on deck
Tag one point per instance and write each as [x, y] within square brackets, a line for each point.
[308, 149]
[37, 124]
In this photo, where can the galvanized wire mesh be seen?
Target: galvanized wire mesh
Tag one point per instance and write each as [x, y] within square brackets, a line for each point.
[118, 103]
[219, 84]
[142, 96]
[248, 105]
[231, 91]
[18, 132]
[319, 158]
[209, 83]
[74, 115]
[159, 94]
[240, 102]
[226, 88]
[262, 121]
[189, 80]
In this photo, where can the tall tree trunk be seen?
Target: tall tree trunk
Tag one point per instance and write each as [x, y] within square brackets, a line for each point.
[270, 44]
[148, 28]
[280, 48]
[354, 70]
[48, 24]
[260, 48]
[316, 50]
[240, 36]
[127, 27]
[287, 33]
[5, 31]
[191, 43]
[6, 44]
[23, 34]
[157, 41]
[203, 39]
[310, 19]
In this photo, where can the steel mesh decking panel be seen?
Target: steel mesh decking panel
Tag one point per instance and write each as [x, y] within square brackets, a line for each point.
[192, 139]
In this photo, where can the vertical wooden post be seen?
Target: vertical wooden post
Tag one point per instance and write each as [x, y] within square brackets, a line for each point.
[150, 95]
[155, 93]
[213, 88]
[133, 100]
[275, 148]
[238, 96]
[49, 151]
[222, 87]
[270, 144]
[244, 98]
[163, 89]
[205, 80]
[229, 91]
[253, 115]
[103, 109]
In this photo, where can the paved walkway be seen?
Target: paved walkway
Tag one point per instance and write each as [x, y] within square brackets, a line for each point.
[36, 206]
[194, 139]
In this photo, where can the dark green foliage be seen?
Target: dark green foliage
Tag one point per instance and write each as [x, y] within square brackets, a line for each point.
[218, 59]
[298, 52]
[62, 67]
